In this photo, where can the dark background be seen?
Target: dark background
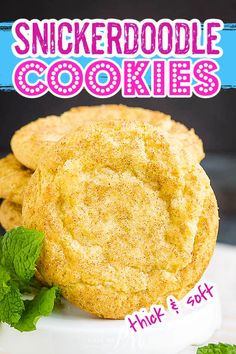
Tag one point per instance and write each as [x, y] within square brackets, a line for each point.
[213, 119]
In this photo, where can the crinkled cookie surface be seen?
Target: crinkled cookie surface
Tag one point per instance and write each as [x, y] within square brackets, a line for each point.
[31, 142]
[129, 217]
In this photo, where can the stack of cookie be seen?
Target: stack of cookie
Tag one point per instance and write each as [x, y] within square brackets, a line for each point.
[128, 213]
[32, 141]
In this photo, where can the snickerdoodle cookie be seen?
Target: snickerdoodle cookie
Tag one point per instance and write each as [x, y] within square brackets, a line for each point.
[32, 141]
[10, 215]
[13, 179]
[129, 217]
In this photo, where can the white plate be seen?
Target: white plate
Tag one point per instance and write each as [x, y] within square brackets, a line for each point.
[71, 331]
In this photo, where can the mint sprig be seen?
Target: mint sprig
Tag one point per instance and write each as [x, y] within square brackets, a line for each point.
[217, 349]
[41, 305]
[11, 306]
[20, 249]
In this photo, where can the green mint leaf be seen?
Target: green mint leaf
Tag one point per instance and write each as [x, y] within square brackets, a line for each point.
[41, 305]
[11, 306]
[21, 249]
[4, 282]
[217, 349]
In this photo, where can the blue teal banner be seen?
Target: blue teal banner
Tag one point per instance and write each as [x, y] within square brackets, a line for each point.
[226, 70]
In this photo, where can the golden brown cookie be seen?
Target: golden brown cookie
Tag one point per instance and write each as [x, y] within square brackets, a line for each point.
[128, 217]
[86, 114]
[13, 179]
[204, 244]
[10, 215]
[32, 141]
